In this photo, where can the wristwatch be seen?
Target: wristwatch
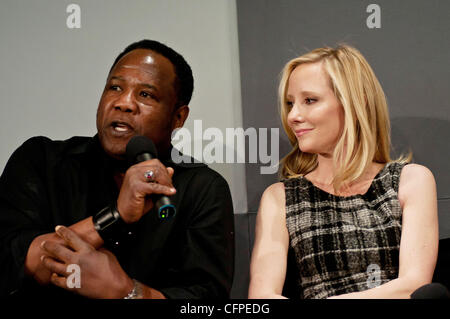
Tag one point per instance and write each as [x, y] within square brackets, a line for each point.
[136, 292]
[111, 227]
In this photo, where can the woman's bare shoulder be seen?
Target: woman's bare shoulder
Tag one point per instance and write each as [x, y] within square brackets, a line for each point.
[275, 188]
[275, 191]
[415, 179]
[272, 200]
[415, 173]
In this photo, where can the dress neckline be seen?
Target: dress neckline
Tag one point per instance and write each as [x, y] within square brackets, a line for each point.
[349, 196]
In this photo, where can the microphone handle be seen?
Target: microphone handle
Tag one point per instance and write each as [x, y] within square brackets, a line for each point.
[164, 206]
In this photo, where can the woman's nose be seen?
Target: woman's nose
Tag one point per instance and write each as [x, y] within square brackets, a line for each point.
[296, 115]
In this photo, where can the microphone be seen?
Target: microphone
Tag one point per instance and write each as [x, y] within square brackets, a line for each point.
[140, 149]
[431, 291]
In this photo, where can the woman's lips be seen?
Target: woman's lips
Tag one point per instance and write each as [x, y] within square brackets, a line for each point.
[302, 131]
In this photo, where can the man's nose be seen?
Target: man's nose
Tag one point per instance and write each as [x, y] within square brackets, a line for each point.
[126, 102]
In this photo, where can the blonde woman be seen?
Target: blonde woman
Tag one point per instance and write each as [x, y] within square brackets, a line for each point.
[360, 224]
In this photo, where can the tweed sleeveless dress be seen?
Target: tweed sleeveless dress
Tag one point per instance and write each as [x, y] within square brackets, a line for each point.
[344, 244]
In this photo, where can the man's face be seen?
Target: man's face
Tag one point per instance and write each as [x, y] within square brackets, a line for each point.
[139, 99]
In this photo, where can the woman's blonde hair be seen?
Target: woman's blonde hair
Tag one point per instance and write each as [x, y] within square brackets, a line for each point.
[366, 133]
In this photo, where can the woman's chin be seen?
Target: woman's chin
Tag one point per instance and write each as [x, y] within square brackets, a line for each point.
[307, 149]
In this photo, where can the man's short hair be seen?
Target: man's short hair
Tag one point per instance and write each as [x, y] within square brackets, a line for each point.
[184, 81]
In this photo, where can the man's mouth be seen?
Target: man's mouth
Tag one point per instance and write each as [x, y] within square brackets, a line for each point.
[121, 127]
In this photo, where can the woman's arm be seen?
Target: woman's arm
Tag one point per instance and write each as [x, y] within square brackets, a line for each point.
[269, 256]
[419, 239]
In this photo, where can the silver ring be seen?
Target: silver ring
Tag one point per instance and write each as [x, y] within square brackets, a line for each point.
[149, 176]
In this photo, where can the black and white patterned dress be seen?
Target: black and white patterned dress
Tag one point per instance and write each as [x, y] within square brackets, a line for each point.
[344, 244]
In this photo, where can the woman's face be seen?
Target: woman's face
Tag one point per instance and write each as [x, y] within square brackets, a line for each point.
[316, 116]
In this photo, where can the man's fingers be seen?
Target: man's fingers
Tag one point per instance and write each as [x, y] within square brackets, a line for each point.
[57, 251]
[170, 170]
[161, 174]
[154, 188]
[72, 239]
[59, 281]
[54, 266]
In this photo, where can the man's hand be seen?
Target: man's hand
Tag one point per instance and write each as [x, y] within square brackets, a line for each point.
[133, 201]
[33, 265]
[100, 273]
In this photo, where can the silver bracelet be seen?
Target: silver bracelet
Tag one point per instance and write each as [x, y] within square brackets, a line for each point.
[136, 293]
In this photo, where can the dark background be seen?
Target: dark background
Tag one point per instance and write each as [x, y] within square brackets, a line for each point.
[409, 54]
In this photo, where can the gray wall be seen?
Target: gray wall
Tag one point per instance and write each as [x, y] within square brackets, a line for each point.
[53, 76]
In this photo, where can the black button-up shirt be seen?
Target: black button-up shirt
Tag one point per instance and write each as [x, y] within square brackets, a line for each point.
[47, 183]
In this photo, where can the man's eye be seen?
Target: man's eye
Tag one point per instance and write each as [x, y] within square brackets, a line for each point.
[145, 94]
[114, 87]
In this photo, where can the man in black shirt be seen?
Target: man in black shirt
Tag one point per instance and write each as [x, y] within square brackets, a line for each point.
[78, 202]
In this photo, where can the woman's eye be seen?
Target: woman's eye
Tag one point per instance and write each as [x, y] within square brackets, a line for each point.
[310, 100]
[289, 104]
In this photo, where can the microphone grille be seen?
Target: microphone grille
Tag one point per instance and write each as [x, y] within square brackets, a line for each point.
[139, 145]
[431, 291]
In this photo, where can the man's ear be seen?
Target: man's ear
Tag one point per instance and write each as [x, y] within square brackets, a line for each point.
[179, 116]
